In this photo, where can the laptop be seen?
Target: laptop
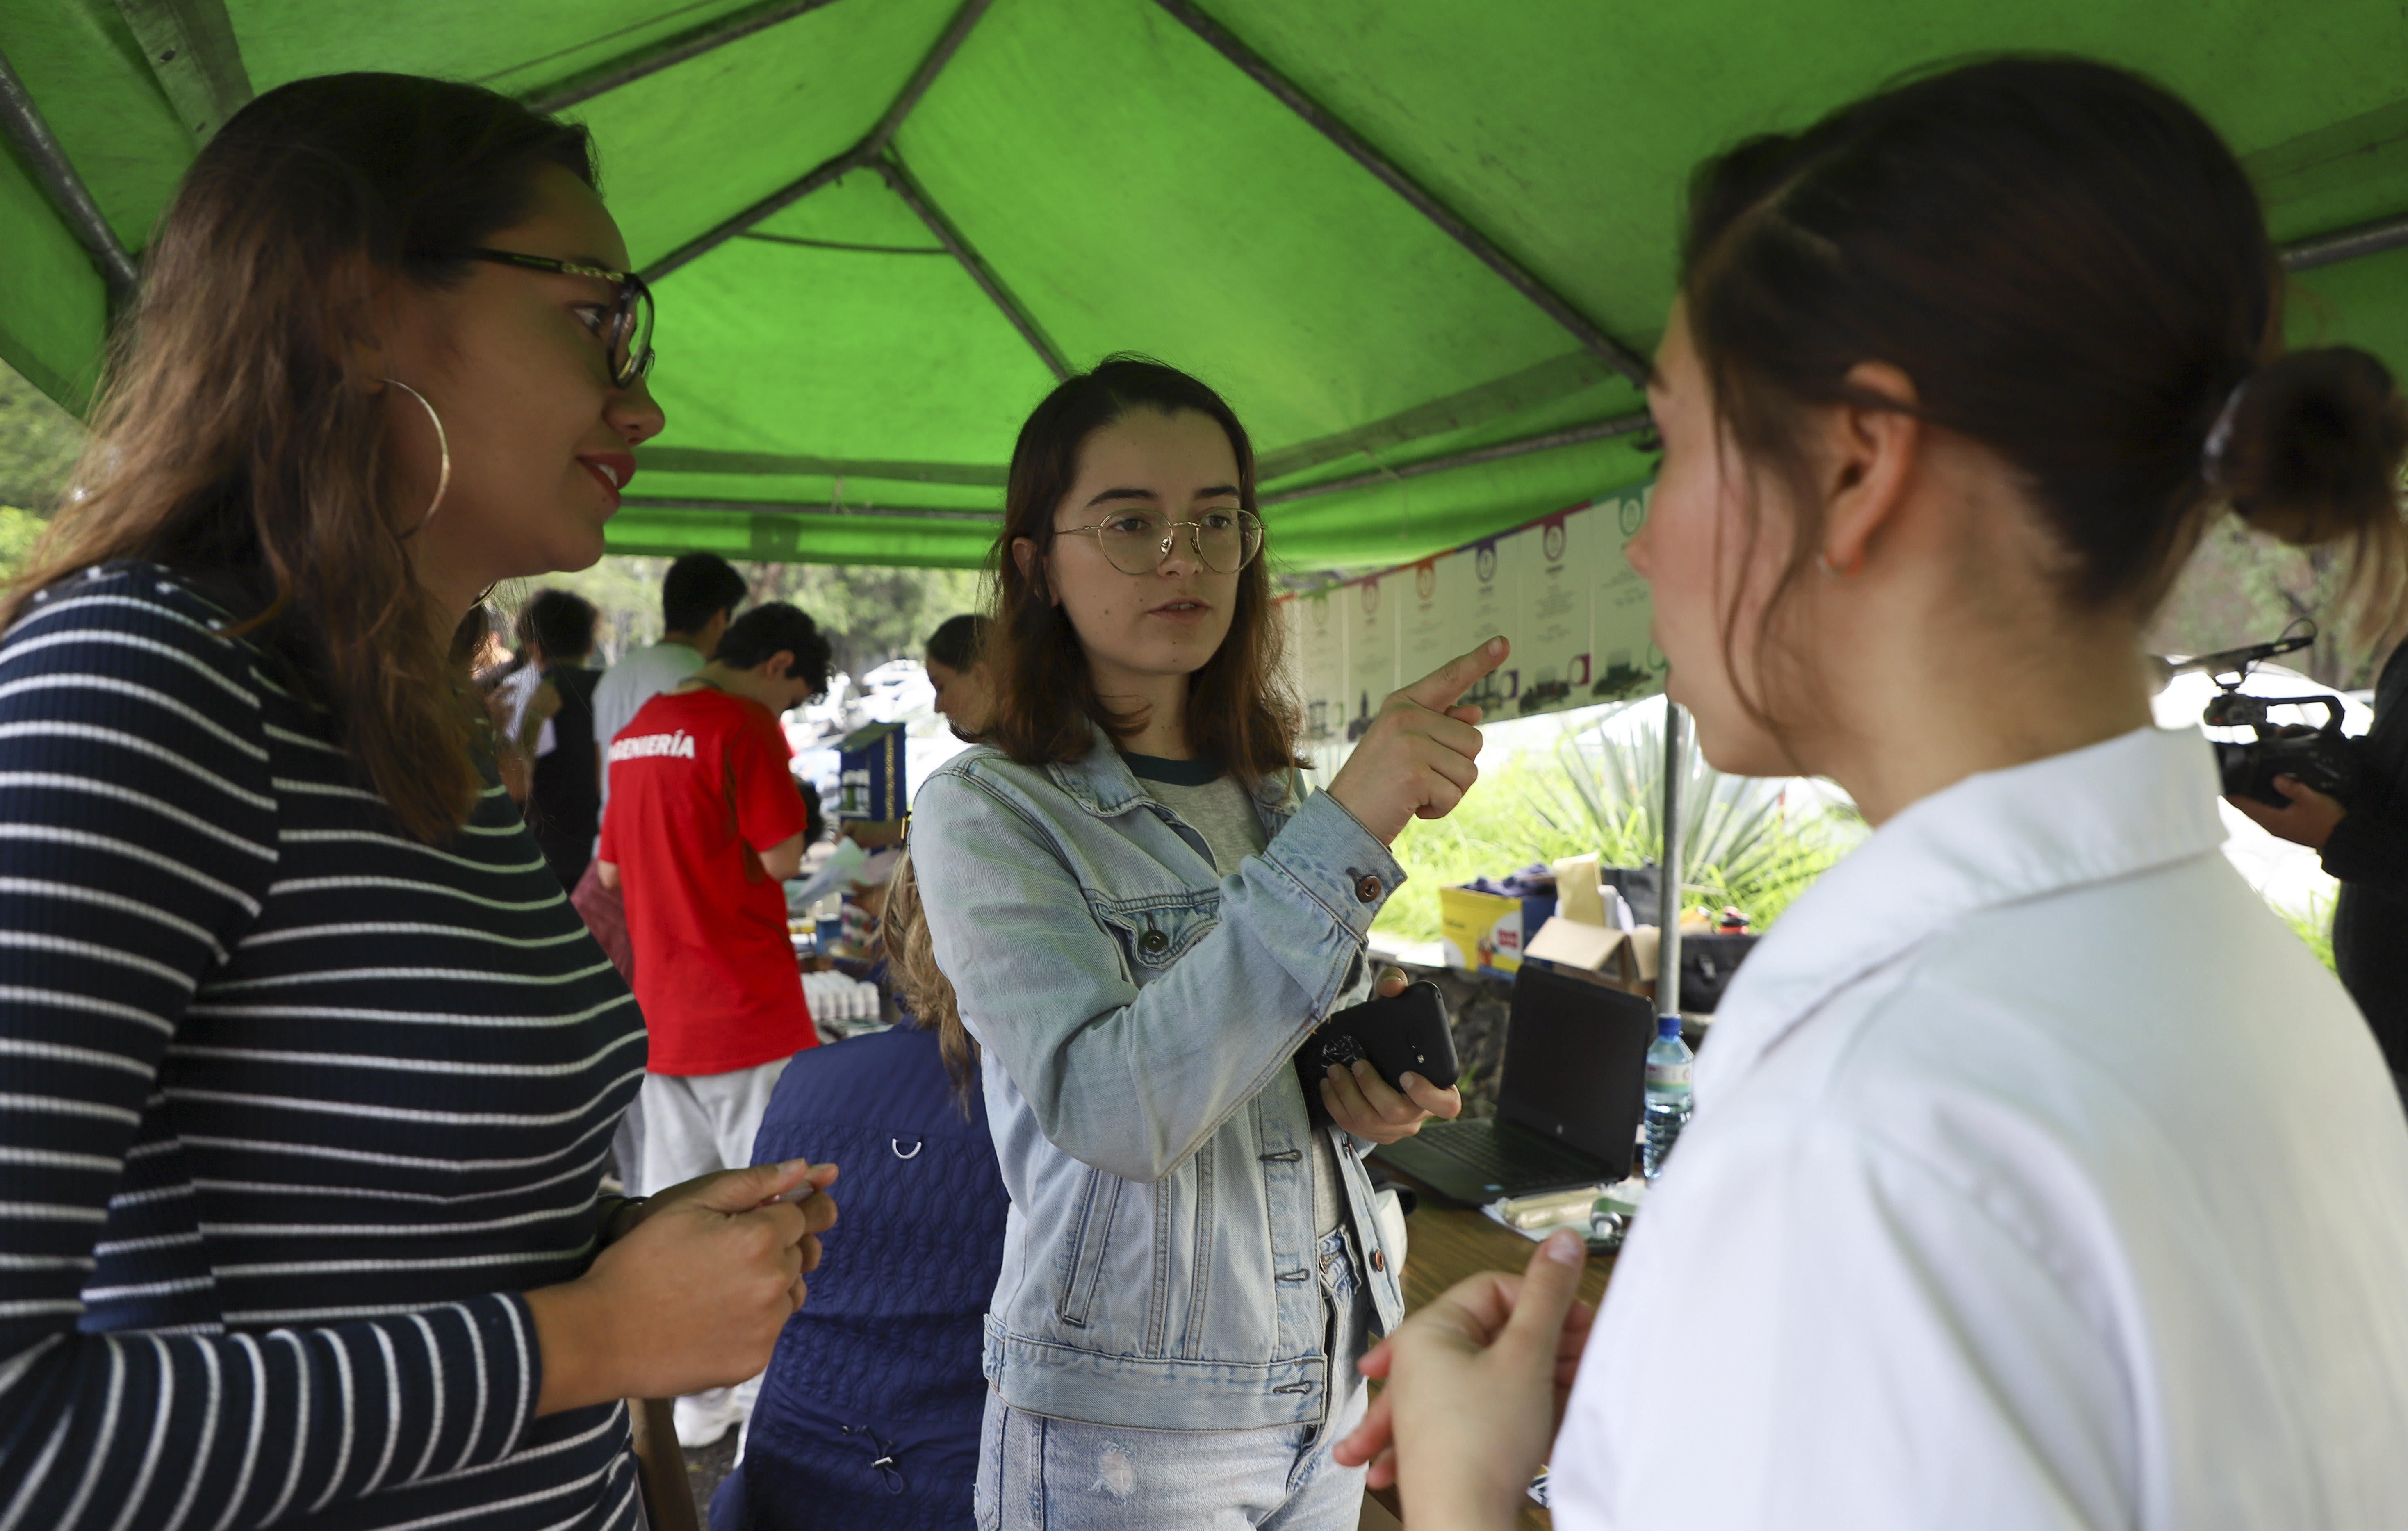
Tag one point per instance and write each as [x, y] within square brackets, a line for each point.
[1570, 1090]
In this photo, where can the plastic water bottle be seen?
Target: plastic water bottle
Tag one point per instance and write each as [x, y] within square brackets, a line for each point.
[1668, 1094]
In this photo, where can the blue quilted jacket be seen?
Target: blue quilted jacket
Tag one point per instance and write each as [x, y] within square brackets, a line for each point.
[869, 1413]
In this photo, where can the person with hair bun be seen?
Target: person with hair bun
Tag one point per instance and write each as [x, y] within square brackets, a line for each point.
[2039, 1176]
[2307, 445]
[307, 1070]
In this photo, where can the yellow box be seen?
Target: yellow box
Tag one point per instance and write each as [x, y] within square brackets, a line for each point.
[1480, 931]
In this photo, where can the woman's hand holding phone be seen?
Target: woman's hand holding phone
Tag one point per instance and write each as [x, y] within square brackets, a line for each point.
[1416, 759]
[691, 1295]
[1360, 1101]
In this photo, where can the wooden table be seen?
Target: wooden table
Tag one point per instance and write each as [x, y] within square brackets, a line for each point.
[1445, 1244]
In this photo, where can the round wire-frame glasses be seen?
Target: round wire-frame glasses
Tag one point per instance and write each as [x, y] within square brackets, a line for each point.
[1138, 541]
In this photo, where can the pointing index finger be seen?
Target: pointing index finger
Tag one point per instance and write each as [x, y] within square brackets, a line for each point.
[1437, 689]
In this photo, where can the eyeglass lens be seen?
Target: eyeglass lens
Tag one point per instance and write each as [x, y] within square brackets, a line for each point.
[631, 350]
[1138, 541]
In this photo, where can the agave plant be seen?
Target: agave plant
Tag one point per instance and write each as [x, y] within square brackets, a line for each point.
[1751, 841]
[1597, 787]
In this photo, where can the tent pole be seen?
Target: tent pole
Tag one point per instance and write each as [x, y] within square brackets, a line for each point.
[1668, 873]
[2345, 245]
[992, 285]
[23, 122]
[192, 49]
[692, 43]
[855, 158]
[1553, 304]
[1595, 431]
[782, 507]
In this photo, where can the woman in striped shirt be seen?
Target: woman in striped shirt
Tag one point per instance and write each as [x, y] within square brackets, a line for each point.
[307, 1068]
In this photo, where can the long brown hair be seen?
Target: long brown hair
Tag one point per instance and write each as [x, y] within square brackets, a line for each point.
[916, 979]
[2074, 271]
[1046, 708]
[228, 441]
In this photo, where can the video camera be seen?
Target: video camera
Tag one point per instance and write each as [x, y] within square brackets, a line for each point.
[2322, 757]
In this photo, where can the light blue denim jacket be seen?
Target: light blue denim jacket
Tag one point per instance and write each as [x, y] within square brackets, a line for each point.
[1139, 1015]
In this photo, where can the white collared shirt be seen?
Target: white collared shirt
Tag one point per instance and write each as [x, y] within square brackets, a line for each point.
[2040, 1178]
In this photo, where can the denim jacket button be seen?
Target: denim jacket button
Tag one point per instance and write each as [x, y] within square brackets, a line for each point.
[1379, 1259]
[1366, 888]
[1152, 941]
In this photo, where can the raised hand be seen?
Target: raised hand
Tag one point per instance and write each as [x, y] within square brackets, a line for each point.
[1416, 759]
[692, 1295]
[1477, 1381]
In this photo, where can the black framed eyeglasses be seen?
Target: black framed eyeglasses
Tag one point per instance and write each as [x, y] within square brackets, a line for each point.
[1136, 541]
[628, 333]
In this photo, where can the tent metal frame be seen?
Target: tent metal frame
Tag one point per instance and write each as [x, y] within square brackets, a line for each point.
[65, 189]
[692, 43]
[899, 176]
[835, 508]
[1329, 125]
[191, 50]
[862, 156]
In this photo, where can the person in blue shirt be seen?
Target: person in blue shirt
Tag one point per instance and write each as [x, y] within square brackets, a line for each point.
[869, 1413]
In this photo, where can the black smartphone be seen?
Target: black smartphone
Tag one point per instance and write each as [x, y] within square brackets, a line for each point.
[1407, 1034]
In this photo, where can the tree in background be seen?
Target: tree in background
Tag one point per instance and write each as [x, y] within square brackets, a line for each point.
[870, 615]
[38, 444]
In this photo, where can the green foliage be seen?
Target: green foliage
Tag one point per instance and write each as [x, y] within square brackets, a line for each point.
[38, 444]
[19, 531]
[1751, 843]
[2314, 925]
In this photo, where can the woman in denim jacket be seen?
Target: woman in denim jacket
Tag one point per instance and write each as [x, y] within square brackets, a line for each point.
[1142, 914]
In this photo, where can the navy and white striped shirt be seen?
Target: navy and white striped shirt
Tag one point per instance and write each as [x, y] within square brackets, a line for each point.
[290, 1107]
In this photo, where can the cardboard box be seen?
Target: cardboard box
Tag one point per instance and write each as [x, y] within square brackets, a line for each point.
[1482, 932]
[1620, 959]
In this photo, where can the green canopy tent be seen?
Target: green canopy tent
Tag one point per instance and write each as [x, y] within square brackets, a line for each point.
[1421, 244]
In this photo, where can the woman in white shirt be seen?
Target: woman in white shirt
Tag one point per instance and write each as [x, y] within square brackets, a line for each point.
[2040, 1177]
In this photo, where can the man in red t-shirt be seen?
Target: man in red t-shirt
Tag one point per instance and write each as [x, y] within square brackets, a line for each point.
[711, 822]
[704, 823]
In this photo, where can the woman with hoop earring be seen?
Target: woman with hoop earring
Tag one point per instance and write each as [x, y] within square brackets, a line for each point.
[310, 1068]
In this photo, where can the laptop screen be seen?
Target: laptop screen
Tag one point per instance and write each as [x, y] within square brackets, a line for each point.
[1575, 1065]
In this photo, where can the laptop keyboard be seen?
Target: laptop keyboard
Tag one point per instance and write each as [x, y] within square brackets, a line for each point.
[1505, 1159]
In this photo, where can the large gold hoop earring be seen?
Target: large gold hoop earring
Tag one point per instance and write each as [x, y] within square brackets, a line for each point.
[443, 445]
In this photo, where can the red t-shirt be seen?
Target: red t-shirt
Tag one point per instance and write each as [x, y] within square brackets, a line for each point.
[698, 784]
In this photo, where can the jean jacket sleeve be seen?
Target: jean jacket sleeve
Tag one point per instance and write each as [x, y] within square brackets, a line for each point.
[1132, 1079]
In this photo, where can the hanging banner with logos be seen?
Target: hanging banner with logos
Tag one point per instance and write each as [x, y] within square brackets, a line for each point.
[1429, 615]
[1557, 581]
[1559, 590]
[1370, 651]
[1491, 608]
[1317, 660]
[1625, 664]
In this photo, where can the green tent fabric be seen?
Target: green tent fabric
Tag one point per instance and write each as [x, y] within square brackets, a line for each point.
[879, 226]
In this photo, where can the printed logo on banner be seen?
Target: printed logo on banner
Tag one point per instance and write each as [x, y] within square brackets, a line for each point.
[1485, 563]
[1627, 662]
[1371, 655]
[1555, 591]
[1426, 580]
[1321, 668]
